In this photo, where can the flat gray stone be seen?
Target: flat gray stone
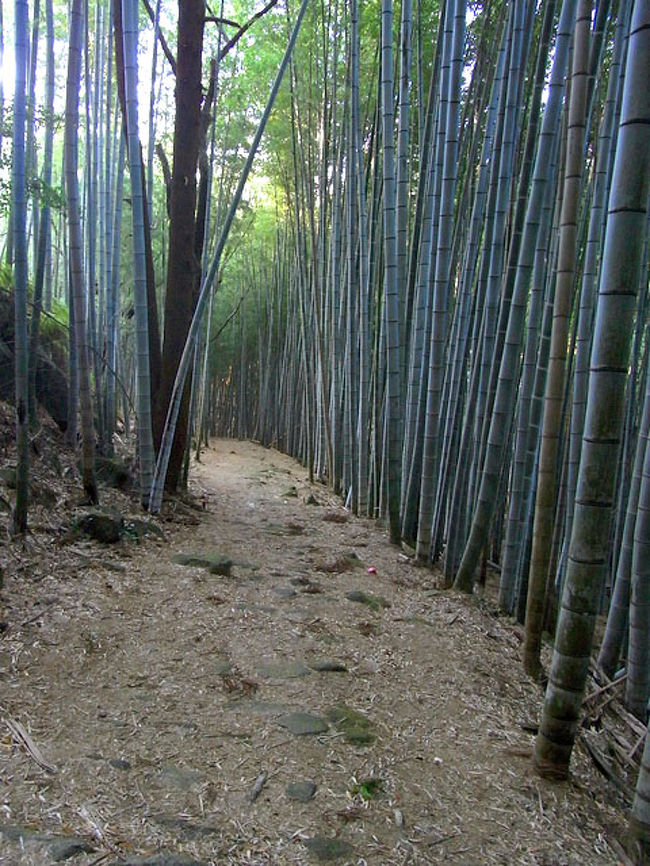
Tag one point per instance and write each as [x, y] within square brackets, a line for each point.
[302, 724]
[302, 791]
[179, 777]
[289, 670]
[60, 847]
[222, 667]
[65, 847]
[327, 850]
[119, 764]
[284, 591]
[374, 602]
[215, 563]
[327, 665]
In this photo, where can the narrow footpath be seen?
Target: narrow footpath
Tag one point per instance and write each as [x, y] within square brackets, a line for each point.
[271, 682]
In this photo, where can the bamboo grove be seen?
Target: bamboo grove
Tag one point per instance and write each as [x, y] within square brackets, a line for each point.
[438, 302]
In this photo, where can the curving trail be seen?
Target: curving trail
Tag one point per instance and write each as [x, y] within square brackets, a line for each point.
[167, 697]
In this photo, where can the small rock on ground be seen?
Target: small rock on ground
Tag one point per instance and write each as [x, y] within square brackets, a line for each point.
[284, 592]
[60, 847]
[302, 791]
[301, 724]
[374, 602]
[326, 850]
[328, 666]
[63, 848]
[182, 778]
[215, 563]
[346, 562]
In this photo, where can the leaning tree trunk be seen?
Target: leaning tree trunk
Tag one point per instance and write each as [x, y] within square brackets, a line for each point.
[589, 548]
[76, 265]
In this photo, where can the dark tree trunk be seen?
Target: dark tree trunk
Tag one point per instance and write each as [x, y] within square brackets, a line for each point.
[182, 264]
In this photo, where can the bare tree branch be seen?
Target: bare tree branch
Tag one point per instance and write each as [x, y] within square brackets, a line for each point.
[235, 39]
[214, 19]
[163, 42]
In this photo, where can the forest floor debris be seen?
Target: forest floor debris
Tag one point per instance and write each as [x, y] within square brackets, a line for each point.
[186, 716]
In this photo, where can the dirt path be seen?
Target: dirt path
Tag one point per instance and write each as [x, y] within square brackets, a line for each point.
[165, 697]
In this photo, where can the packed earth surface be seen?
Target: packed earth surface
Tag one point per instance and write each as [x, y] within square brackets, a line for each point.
[259, 677]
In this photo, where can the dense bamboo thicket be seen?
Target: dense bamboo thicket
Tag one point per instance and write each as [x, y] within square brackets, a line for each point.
[436, 290]
[420, 266]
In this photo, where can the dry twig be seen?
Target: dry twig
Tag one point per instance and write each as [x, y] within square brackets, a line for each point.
[21, 737]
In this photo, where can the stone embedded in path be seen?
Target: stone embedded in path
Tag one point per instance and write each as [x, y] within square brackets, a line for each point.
[119, 764]
[64, 847]
[302, 791]
[345, 562]
[328, 665]
[282, 670]
[215, 563]
[284, 591]
[302, 724]
[355, 727]
[277, 529]
[374, 602]
[60, 847]
[179, 777]
[327, 850]
[222, 668]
